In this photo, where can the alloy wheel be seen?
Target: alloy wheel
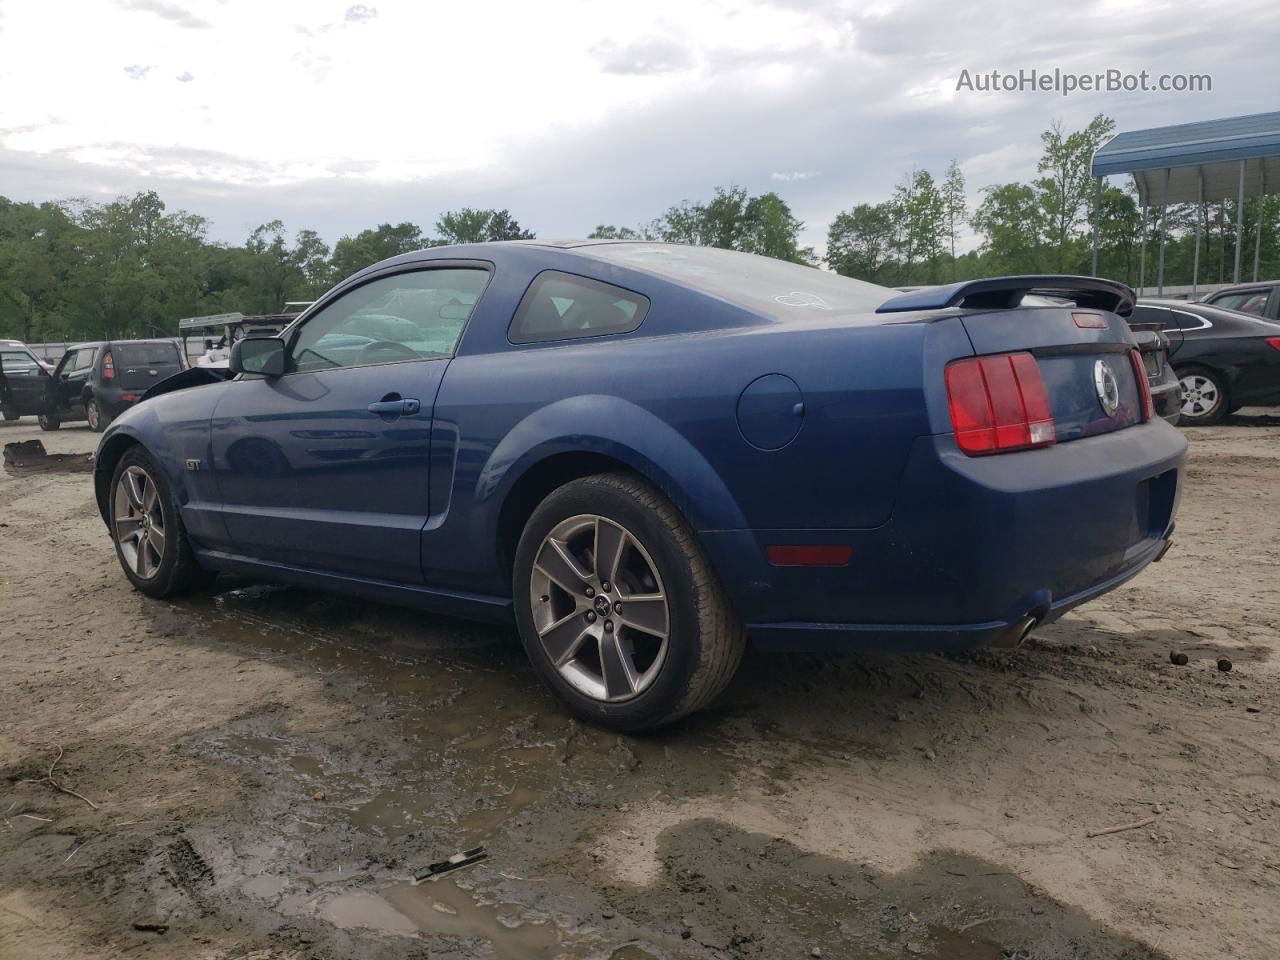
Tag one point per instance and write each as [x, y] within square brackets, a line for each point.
[139, 522]
[599, 608]
[94, 415]
[1199, 395]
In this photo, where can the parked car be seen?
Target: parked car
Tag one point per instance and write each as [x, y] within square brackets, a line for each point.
[1260, 299]
[1166, 390]
[1224, 359]
[23, 381]
[99, 381]
[644, 454]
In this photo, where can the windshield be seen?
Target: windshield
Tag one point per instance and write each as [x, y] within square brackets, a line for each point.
[141, 353]
[775, 287]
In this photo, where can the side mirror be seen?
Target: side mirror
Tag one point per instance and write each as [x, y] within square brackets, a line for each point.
[263, 356]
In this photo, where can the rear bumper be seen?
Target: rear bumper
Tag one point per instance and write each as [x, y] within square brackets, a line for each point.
[975, 549]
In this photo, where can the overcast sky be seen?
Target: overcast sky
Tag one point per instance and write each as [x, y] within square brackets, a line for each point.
[336, 116]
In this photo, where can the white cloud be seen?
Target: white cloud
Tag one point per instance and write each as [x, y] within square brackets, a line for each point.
[570, 112]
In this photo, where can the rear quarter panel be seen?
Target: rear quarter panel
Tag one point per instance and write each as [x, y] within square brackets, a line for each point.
[666, 406]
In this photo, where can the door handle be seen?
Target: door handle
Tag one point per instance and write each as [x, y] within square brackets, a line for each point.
[396, 408]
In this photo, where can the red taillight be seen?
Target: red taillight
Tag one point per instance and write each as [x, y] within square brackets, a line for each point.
[128, 398]
[1273, 343]
[1144, 387]
[108, 367]
[809, 556]
[999, 403]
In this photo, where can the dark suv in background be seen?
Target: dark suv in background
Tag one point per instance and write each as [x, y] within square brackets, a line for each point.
[99, 381]
[1260, 299]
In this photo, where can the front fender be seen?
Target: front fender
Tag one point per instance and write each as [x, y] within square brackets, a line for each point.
[615, 428]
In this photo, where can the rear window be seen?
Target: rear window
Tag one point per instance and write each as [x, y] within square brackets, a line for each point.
[137, 354]
[560, 306]
[775, 287]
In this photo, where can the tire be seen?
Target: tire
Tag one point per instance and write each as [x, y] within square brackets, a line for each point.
[1205, 396]
[171, 569]
[9, 413]
[96, 416]
[664, 577]
[49, 421]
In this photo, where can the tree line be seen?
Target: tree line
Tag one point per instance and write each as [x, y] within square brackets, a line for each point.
[130, 267]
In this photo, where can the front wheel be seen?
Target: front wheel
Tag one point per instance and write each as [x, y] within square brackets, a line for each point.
[49, 421]
[618, 608]
[9, 413]
[150, 540]
[1205, 399]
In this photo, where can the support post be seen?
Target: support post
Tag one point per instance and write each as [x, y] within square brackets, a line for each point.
[1164, 212]
[1142, 253]
[1097, 221]
[1257, 233]
[1201, 214]
[1235, 277]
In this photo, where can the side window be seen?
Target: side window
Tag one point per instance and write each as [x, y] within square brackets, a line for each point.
[560, 306]
[1247, 301]
[67, 363]
[83, 360]
[16, 363]
[407, 316]
[1165, 318]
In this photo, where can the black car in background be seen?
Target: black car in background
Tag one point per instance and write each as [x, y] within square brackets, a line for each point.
[23, 381]
[1166, 391]
[1224, 359]
[1260, 299]
[99, 381]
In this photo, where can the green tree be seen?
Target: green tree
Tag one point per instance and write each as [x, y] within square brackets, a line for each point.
[470, 225]
[1011, 222]
[954, 208]
[1066, 187]
[386, 240]
[860, 243]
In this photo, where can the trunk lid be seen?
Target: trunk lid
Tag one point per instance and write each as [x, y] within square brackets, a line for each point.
[1084, 359]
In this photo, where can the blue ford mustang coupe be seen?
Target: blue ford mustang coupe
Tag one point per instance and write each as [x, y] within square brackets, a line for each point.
[647, 453]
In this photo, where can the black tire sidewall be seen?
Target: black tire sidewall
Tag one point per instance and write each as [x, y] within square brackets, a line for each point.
[163, 582]
[657, 703]
[49, 421]
[1224, 397]
[101, 423]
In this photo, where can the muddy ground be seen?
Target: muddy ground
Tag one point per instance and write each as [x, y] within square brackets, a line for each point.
[262, 770]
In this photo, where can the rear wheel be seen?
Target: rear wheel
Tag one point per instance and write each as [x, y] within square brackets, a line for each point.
[151, 542]
[9, 413]
[1205, 399]
[49, 421]
[93, 412]
[618, 609]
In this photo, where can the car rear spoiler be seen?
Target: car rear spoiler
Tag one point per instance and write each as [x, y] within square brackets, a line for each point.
[1005, 292]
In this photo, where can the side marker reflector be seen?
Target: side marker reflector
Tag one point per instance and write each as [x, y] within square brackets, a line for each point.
[809, 556]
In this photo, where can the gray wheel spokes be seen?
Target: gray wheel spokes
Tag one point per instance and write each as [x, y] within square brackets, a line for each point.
[610, 539]
[139, 522]
[563, 638]
[620, 678]
[647, 613]
[586, 575]
[555, 562]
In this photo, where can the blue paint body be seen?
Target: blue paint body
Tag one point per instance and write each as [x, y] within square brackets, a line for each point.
[792, 426]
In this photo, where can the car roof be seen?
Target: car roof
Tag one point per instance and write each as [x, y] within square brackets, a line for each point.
[1241, 287]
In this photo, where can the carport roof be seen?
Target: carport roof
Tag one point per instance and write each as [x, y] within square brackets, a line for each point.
[1209, 149]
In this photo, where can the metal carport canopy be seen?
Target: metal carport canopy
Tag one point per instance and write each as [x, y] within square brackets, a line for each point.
[1212, 149]
[1194, 163]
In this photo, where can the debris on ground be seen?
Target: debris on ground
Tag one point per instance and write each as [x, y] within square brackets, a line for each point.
[1224, 665]
[1178, 659]
[456, 862]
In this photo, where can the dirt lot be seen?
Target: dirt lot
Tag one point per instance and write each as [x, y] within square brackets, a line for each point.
[267, 768]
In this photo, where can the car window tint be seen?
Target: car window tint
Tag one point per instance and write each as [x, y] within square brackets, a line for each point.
[775, 287]
[1246, 301]
[407, 316]
[1166, 318]
[560, 306]
[140, 353]
[16, 363]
